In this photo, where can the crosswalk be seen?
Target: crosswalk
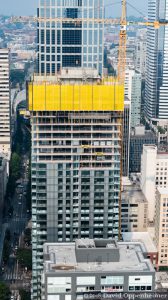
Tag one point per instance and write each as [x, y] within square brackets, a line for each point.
[9, 276]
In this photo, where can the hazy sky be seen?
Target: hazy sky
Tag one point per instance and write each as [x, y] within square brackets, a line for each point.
[28, 7]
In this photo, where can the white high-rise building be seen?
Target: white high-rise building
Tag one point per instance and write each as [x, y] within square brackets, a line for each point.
[148, 177]
[154, 173]
[133, 92]
[5, 136]
[156, 100]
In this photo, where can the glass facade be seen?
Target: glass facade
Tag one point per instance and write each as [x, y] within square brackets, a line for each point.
[156, 102]
[69, 44]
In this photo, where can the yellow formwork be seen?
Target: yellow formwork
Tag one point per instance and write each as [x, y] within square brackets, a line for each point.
[54, 97]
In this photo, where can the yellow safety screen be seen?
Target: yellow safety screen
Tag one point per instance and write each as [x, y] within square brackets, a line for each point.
[54, 97]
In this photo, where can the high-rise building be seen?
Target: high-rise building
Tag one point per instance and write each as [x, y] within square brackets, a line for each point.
[139, 137]
[161, 220]
[133, 92]
[156, 102]
[76, 160]
[5, 136]
[67, 44]
[140, 52]
[126, 137]
[154, 173]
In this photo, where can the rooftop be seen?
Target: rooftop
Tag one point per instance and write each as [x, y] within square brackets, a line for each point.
[143, 237]
[91, 256]
[132, 192]
[162, 155]
[162, 190]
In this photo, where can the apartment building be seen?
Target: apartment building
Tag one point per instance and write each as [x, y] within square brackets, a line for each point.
[95, 269]
[5, 138]
[161, 226]
[76, 160]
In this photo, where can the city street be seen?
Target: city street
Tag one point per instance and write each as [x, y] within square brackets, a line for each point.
[17, 224]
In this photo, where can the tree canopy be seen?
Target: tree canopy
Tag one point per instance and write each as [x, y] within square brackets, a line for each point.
[4, 291]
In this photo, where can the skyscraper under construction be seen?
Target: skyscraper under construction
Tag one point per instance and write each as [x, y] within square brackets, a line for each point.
[76, 160]
[76, 119]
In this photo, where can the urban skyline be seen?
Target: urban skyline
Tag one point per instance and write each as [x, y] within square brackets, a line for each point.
[83, 152]
[29, 8]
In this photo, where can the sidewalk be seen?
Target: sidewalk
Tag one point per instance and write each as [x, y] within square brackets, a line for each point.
[2, 236]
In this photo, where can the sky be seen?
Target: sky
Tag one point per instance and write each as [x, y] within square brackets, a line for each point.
[28, 7]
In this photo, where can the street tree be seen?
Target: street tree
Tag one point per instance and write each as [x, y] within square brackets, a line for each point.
[4, 291]
[24, 257]
[24, 295]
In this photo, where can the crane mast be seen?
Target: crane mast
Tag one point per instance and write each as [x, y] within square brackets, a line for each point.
[122, 44]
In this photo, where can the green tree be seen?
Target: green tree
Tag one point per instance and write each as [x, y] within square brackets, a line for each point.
[161, 129]
[15, 165]
[4, 291]
[25, 295]
[24, 257]
[17, 77]
[27, 235]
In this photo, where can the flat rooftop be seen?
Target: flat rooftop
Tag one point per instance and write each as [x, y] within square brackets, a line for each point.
[143, 237]
[162, 190]
[132, 193]
[63, 257]
[162, 155]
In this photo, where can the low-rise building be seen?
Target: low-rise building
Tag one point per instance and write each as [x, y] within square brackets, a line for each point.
[134, 207]
[74, 271]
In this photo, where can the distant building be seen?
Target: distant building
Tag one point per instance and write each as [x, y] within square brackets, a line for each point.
[139, 137]
[3, 183]
[134, 208]
[140, 52]
[126, 137]
[161, 226]
[136, 100]
[154, 173]
[77, 270]
[133, 92]
[5, 135]
[150, 250]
